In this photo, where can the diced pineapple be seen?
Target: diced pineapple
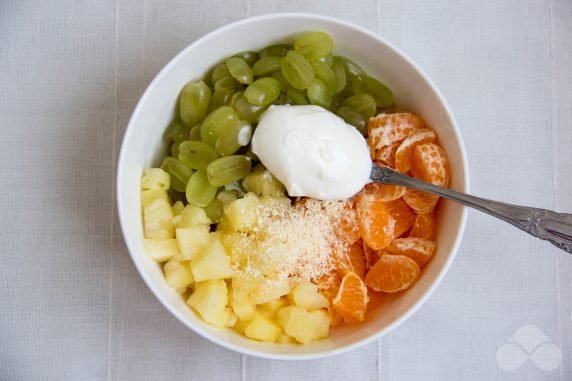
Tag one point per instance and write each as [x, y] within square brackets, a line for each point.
[285, 339]
[155, 178]
[241, 325]
[271, 308]
[263, 329]
[157, 219]
[231, 317]
[305, 326]
[306, 295]
[178, 208]
[178, 273]
[150, 195]
[212, 263]
[244, 309]
[275, 201]
[160, 249]
[192, 240]
[242, 213]
[192, 215]
[237, 246]
[270, 289]
[209, 299]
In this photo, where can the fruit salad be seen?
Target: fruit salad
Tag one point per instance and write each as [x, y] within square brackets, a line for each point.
[245, 255]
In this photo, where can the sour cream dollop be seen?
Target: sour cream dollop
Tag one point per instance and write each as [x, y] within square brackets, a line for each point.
[313, 152]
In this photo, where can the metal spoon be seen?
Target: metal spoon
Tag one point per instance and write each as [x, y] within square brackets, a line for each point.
[553, 227]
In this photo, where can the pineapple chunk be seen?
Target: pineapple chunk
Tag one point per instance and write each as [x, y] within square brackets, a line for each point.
[160, 249]
[270, 309]
[192, 215]
[242, 213]
[212, 263]
[150, 195]
[275, 201]
[285, 339]
[244, 309]
[231, 317]
[241, 325]
[270, 289]
[263, 329]
[192, 240]
[305, 326]
[157, 218]
[178, 273]
[237, 246]
[306, 295]
[178, 208]
[155, 178]
[209, 300]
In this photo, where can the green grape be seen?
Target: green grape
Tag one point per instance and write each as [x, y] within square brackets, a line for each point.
[266, 65]
[194, 102]
[214, 210]
[352, 117]
[362, 103]
[249, 56]
[339, 74]
[219, 71]
[236, 135]
[219, 98]
[227, 196]
[175, 149]
[178, 171]
[314, 45]
[175, 132]
[328, 60]
[239, 69]
[251, 155]
[352, 69]
[263, 91]
[228, 83]
[196, 155]
[284, 84]
[279, 50]
[247, 111]
[199, 191]
[195, 133]
[177, 196]
[228, 169]
[261, 182]
[325, 74]
[215, 123]
[319, 94]
[297, 70]
[234, 98]
[296, 97]
[368, 85]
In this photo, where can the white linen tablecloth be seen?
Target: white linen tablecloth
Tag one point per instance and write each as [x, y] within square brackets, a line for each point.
[72, 306]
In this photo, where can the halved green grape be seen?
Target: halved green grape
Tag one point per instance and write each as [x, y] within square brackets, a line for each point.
[199, 191]
[228, 82]
[340, 75]
[284, 84]
[314, 45]
[214, 210]
[266, 65]
[263, 91]
[176, 131]
[195, 98]
[328, 60]
[352, 117]
[227, 196]
[219, 98]
[261, 182]
[352, 69]
[195, 133]
[220, 70]
[325, 74]
[175, 149]
[319, 94]
[236, 135]
[296, 97]
[195, 154]
[235, 97]
[368, 85]
[239, 69]
[178, 171]
[216, 122]
[362, 103]
[228, 169]
[297, 70]
[279, 50]
[249, 56]
[246, 110]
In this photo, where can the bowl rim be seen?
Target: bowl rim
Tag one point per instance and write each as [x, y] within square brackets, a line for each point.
[258, 353]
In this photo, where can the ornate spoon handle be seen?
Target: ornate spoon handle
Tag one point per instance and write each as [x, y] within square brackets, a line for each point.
[553, 227]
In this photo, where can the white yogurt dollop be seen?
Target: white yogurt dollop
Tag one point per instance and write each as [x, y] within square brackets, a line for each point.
[313, 152]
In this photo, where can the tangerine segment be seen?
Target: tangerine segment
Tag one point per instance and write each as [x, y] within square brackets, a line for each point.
[430, 164]
[375, 223]
[347, 228]
[392, 273]
[375, 299]
[387, 129]
[371, 256]
[351, 300]
[384, 192]
[329, 284]
[353, 261]
[402, 214]
[418, 249]
[404, 154]
[384, 155]
[419, 201]
[424, 226]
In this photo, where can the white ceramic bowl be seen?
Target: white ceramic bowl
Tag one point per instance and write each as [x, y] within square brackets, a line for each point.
[142, 147]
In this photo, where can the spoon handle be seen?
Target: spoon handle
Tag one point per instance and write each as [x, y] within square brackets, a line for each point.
[553, 227]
